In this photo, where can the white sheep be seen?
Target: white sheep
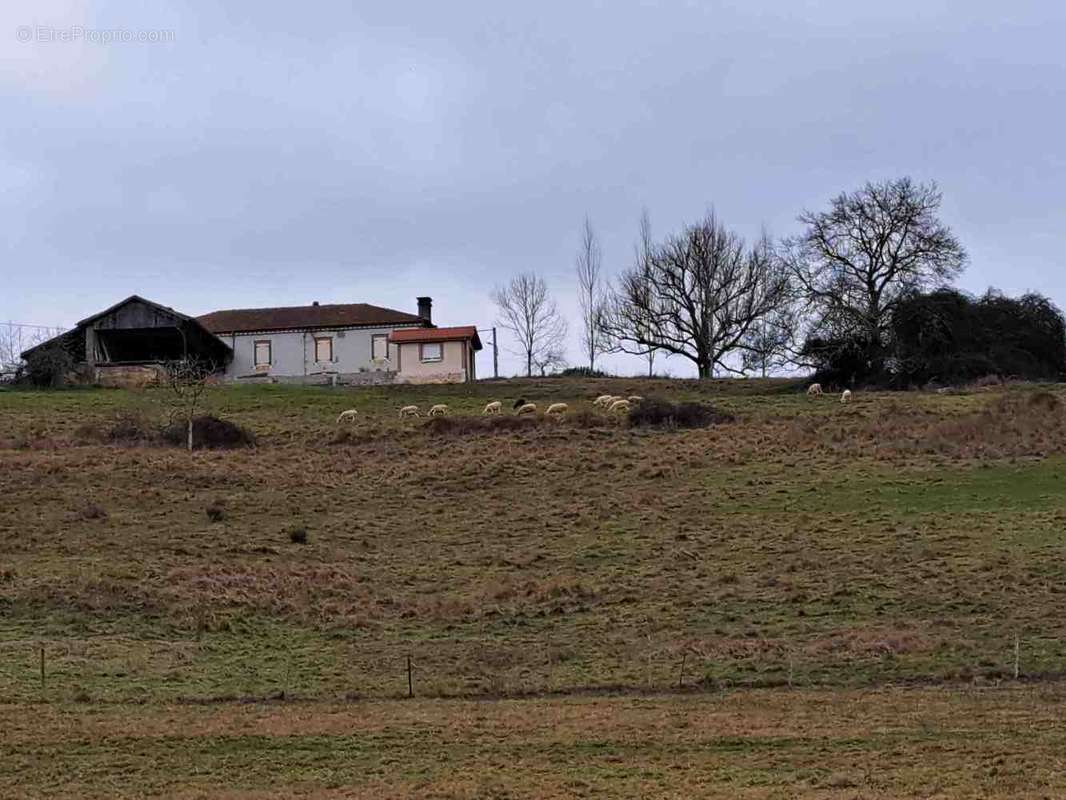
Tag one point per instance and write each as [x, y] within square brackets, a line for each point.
[813, 389]
[557, 409]
[439, 410]
[347, 416]
[528, 408]
[619, 406]
[635, 398]
[495, 407]
[408, 411]
[603, 400]
[845, 398]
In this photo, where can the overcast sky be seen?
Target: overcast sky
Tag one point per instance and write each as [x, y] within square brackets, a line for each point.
[279, 153]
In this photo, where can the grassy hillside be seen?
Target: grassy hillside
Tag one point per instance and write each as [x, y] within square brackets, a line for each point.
[901, 539]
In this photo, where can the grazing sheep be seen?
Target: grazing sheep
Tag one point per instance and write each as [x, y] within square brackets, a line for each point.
[813, 389]
[495, 407]
[408, 411]
[347, 416]
[845, 398]
[603, 400]
[521, 401]
[527, 408]
[619, 406]
[635, 398]
[557, 409]
[439, 410]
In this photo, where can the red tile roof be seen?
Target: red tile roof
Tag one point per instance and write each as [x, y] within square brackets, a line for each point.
[460, 333]
[241, 320]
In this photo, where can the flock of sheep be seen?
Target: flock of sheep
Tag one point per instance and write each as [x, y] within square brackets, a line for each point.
[613, 404]
[816, 389]
[610, 403]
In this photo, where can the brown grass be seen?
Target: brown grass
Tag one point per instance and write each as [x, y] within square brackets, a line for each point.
[912, 743]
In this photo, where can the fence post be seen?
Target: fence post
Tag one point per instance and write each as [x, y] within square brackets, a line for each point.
[42, 668]
[410, 680]
[1017, 656]
[681, 674]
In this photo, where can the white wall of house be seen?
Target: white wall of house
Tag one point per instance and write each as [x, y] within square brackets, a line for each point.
[293, 353]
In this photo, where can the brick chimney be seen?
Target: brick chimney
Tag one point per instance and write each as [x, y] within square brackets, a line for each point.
[425, 309]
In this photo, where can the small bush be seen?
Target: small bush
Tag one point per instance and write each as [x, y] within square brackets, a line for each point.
[49, 367]
[215, 512]
[586, 418]
[210, 432]
[93, 511]
[664, 414]
[130, 428]
[582, 372]
[1045, 401]
[987, 380]
[298, 535]
[474, 426]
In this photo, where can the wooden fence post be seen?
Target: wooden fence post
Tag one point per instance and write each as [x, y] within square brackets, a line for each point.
[410, 679]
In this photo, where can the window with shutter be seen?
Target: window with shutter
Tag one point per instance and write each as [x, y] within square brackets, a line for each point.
[323, 349]
[262, 353]
[379, 347]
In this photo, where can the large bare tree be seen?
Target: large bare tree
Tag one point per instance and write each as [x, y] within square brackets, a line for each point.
[872, 247]
[697, 295]
[589, 268]
[527, 310]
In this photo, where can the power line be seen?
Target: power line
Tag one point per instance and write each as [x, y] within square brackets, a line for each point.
[35, 327]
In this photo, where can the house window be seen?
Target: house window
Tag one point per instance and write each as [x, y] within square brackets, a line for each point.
[323, 349]
[379, 347]
[431, 351]
[262, 353]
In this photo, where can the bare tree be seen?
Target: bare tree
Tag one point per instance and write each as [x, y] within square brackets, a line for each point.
[15, 339]
[527, 310]
[697, 295]
[589, 266]
[771, 342]
[188, 380]
[871, 248]
[549, 361]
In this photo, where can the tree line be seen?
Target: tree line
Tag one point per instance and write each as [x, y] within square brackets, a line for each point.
[863, 294]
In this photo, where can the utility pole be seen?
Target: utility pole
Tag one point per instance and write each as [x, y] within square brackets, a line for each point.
[495, 352]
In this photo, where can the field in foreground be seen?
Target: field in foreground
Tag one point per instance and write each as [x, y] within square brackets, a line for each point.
[749, 744]
[585, 567]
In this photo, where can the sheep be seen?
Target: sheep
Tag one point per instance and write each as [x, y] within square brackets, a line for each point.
[408, 411]
[521, 401]
[439, 410]
[813, 389]
[557, 409]
[845, 398]
[495, 407]
[527, 408]
[347, 416]
[635, 398]
[603, 401]
[619, 406]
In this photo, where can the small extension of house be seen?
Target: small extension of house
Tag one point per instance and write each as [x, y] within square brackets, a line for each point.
[353, 343]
